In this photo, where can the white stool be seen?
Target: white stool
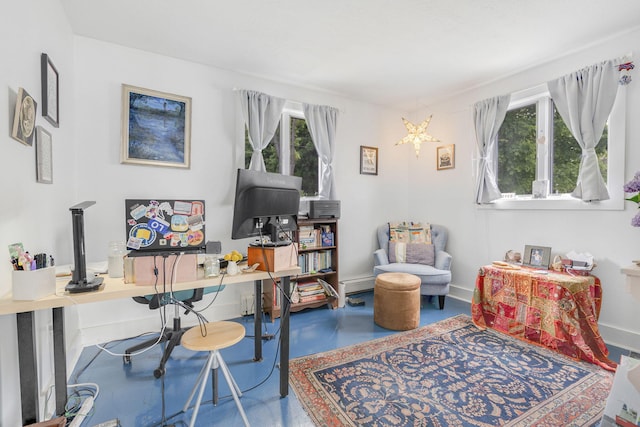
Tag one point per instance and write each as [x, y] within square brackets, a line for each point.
[219, 335]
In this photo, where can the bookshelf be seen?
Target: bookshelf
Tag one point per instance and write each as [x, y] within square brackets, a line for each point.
[317, 241]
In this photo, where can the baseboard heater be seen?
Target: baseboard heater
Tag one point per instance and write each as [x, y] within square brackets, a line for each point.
[358, 284]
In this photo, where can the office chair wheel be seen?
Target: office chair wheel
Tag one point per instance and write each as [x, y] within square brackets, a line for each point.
[158, 372]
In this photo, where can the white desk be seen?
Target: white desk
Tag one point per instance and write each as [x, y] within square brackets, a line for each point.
[116, 289]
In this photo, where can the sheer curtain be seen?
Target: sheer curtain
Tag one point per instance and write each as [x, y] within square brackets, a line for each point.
[584, 99]
[321, 121]
[261, 114]
[488, 116]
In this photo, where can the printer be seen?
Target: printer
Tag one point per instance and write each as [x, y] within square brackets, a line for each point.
[315, 209]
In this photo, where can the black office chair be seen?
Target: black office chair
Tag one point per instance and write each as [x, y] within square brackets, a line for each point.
[171, 336]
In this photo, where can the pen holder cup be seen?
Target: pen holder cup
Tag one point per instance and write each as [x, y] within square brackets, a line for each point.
[34, 284]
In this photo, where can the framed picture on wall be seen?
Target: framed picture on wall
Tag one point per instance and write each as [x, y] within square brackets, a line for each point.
[368, 160]
[24, 118]
[50, 86]
[156, 128]
[44, 156]
[446, 156]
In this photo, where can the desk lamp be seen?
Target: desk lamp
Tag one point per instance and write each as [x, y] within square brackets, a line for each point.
[79, 282]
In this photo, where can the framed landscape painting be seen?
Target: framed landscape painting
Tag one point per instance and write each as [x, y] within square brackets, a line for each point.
[156, 128]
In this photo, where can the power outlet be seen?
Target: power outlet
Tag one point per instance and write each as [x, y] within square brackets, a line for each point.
[246, 304]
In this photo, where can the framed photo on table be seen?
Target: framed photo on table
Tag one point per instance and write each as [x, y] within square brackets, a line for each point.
[156, 128]
[537, 256]
[368, 160]
[50, 90]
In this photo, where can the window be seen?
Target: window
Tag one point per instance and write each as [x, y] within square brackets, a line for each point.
[534, 144]
[291, 151]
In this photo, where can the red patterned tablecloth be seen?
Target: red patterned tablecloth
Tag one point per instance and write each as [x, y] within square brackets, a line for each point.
[557, 310]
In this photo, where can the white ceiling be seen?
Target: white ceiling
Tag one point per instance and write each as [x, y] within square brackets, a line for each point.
[398, 53]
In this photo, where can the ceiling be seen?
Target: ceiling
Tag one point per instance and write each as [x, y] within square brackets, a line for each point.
[397, 53]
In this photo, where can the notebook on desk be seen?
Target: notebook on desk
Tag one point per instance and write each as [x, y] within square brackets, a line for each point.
[157, 226]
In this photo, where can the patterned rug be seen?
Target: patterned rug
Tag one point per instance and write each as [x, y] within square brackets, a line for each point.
[449, 374]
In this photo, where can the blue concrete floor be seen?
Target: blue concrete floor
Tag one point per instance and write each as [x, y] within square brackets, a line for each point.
[131, 394]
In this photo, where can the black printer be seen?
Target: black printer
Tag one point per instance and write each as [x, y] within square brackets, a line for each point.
[320, 209]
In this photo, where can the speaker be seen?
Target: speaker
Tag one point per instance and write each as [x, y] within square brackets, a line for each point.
[213, 248]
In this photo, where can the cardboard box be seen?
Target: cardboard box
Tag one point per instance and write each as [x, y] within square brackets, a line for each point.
[277, 258]
[34, 284]
[143, 269]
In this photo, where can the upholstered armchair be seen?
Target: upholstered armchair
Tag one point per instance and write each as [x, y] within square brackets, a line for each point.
[435, 278]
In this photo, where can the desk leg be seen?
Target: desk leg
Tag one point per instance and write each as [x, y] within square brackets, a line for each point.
[257, 321]
[28, 367]
[284, 337]
[59, 360]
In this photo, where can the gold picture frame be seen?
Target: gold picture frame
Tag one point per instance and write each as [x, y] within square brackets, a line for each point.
[24, 118]
[156, 128]
[446, 156]
[368, 160]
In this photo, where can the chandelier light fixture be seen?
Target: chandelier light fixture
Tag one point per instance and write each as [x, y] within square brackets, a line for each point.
[417, 134]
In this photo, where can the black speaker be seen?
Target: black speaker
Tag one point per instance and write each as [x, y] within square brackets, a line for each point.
[214, 248]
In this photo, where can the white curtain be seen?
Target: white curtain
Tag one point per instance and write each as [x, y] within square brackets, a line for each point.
[321, 121]
[488, 116]
[261, 114]
[584, 99]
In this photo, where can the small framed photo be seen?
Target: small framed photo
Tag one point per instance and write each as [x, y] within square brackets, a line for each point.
[156, 128]
[24, 118]
[44, 156]
[50, 90]
[446, 156]
[537, 256]
[368, 160]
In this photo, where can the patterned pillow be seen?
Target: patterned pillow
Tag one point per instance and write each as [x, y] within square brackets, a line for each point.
[410, 232]
[412, 253]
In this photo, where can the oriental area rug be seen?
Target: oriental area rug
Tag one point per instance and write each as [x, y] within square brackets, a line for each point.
[449, 373]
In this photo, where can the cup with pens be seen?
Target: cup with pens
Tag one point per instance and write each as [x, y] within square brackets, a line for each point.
[22, 260]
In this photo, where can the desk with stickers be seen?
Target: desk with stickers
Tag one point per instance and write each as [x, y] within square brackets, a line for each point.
[116, 289]
[556, 310]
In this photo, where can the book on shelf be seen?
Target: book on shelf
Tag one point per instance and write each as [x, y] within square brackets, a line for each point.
[328, 289]
[310, 298]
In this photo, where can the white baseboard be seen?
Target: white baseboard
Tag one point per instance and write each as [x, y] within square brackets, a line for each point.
[360, 284]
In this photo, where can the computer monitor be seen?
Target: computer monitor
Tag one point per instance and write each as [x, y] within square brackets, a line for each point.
[265, 205]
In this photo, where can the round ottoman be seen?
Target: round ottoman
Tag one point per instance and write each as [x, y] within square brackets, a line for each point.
[396, 301]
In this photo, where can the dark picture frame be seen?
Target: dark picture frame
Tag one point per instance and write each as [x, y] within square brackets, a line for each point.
[537, 256]
[44, 156]
[446, 156]
[156, 128]
[368, 160]
[50, 82]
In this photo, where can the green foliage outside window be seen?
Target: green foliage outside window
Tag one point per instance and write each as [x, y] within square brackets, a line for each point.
[303, 159]
[517, 153]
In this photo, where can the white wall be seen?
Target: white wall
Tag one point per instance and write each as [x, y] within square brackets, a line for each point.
[32, 213]
[217, 144]
[480, 235]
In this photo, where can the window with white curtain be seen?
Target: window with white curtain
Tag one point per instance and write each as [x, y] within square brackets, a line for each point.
[291, 150]
[535, 145]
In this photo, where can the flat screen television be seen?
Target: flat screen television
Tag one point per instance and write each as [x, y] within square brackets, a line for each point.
[266, 204]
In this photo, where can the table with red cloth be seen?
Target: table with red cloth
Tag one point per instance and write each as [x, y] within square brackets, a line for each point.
[556, 310]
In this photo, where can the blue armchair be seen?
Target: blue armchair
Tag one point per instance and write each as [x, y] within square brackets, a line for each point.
[435, 280]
